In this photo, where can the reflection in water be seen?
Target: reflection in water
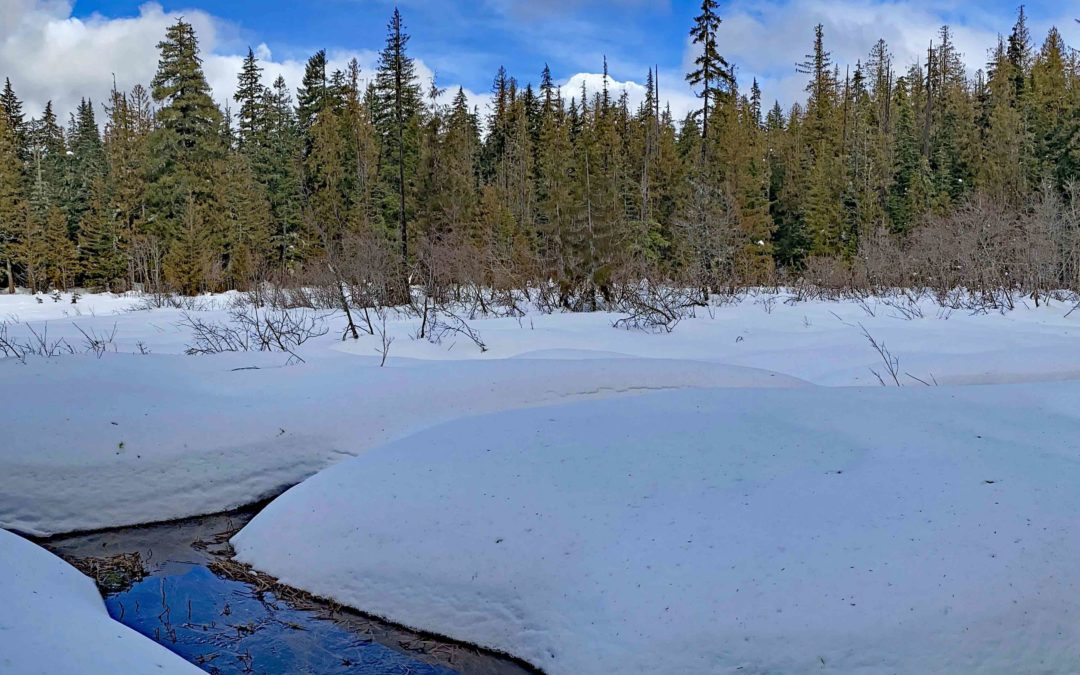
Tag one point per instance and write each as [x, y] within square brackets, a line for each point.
[225, 627]
[159, 581]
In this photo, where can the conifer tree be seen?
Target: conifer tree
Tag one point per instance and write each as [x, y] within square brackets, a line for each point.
[250, 95]
[187, 150]
[47, 162]
[85, 165]
[397, 118]
[13, 206]
[712, 70]
[102, 250]
[276, 165]
[12, 109]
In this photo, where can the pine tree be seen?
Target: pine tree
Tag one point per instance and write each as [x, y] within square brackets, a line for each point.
[317, 92]
[821, 102]
[187, 151]
[555, 187]
[449, 176]
[13, 206]
[250, 95]
[909, 191]
[48, 155]
[85, 164]
[1050, 96]
[712, 70]
[118, 208]
[63, 257]
[1018, 53]
[397, 119]
[12, 109]
[362, 157]
[101, 247]
[277, 167]
[246, 214]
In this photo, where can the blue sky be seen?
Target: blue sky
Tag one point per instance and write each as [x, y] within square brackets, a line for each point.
[464, 42]
[59, 50]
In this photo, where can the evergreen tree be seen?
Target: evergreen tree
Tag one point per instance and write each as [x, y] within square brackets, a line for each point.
[12, 109]
[13, 206]
[102, 247]
[187, 152]
[397, 119]
[250, 95]
[711, 71]
[48, 155]
[85, 165]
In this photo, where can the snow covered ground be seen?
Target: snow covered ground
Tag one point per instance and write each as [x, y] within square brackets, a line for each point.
[52, 620]
[717, 531]
[741, 493]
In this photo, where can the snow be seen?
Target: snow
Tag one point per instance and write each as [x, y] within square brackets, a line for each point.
[52, 620]
[93, 443]
[146, 433]
[928, 530]
[741, 493]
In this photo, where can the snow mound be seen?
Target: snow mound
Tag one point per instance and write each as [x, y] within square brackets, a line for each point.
[928, 530]
[52, 620]
[92, 443]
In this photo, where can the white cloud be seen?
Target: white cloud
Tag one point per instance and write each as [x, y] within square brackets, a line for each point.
[673, 90]
[768, 40]
[52, 56]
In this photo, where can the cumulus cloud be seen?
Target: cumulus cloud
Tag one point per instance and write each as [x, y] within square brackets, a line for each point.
[673, 90]
[51, 55]
[768, 39]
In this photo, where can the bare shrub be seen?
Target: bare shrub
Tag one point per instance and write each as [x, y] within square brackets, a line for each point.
[98, 343]
[187, 303]
[251, 328]
[654, 307]
[892, 363]
[38, 344]
[444, 324]
[385, 340]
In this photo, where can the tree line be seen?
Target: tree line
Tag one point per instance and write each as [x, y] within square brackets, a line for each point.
[878, 176]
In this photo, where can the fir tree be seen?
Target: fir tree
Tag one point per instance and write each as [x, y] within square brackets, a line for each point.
[13, 207]
[712, 70]
[186, 152]
[12, 109]
[397, 119]
[250, 96]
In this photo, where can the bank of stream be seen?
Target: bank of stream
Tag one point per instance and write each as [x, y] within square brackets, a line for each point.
[177, 584]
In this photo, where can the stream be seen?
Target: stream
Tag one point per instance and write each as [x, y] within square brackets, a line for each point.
[171, 582]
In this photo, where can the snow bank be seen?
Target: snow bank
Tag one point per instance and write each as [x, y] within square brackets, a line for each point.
[146, 433]
[52, 620]
[928, 530]
[92, 443]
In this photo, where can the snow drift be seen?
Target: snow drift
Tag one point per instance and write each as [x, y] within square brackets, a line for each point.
[927, 530]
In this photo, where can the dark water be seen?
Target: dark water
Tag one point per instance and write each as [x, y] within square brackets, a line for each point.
[228, 627]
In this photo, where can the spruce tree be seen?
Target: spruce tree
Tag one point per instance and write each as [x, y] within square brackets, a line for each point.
[187, 151]
[12, 109]
[48, 155]
[711, 71]
[277, 166]
[13, 206]
[397, 119]
[250, 95]
[85, 165]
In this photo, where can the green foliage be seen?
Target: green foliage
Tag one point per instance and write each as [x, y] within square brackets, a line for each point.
[584, 193]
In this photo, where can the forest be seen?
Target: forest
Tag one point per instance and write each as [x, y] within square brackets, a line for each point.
[886, 176]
